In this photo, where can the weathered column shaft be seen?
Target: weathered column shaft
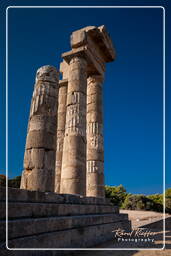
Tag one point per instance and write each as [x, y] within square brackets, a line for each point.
[95, 150]
[39, 158]
[73, 175]
[61, 119]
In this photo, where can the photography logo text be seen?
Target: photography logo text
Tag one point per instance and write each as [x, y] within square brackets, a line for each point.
[143, 235]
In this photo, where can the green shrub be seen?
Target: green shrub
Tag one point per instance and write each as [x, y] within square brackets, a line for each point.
[157, 198]
[141, 202]
[15, 182]
[117, 194]
[168, 200]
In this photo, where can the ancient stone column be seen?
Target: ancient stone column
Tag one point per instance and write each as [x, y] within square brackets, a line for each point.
[39, 158]
[61, 119]
[95, 150]
[73, 175]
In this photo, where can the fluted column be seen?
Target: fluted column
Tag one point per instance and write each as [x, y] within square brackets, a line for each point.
[39, 158]
[95, 150]
[73, 175]
[61, 119]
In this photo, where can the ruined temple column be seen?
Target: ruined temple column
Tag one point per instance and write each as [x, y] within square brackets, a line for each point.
[61, 119]
[73, 175]
[39, 158]
[95, 150]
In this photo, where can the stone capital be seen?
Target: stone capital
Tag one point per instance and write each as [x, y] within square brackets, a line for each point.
[94, 65]
[95, 79]
[63, 82]
[97, 38]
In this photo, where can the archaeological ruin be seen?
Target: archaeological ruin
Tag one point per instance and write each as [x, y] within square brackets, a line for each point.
[71, 109]
[61, 202]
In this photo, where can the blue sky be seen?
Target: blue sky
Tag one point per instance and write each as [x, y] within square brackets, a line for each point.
[132, 88]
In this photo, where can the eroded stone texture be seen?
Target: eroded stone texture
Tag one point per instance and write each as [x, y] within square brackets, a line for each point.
[39, 158]
[93, 44]
[95, 150]
[73, 174]
[61, 119]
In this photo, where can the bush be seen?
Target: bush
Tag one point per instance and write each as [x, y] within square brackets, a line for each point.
[121, 198]
[168, 200]
[134, 202]
[157, 198]
[15, 182]
[117, 194]
[141, 202]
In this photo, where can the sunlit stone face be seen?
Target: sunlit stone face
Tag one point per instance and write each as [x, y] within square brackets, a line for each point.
[47, 73]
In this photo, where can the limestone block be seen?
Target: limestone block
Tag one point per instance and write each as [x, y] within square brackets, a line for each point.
[94, 99]
[40, 122]
[43, 88]
[27, 160]
[95, 129]
[94, 116]
[72, 150]
[95, 150]
[95, 142]
[37, 157]
[94, 154]
[108, 45]
[78, 38]
[64, 67]
[47, 73]
[74, 186]
[36, 139]
[76, 85]
[88, 228]
[62, 97]
[75, 110]
[75, 123]
[27, 209]
[95, 107]
[49, 160]
[60, 138]
[95, 167]
[23, 183]
[95, 180]
[43, 104]
[39, 179]
[61, 121]
[77, 75]
[75, 98]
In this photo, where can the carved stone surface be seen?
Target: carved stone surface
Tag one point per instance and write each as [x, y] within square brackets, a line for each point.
[61, 119]
[73, 174]
[65, 129]
[95, 151]
[64, 153]
[48, 220]
[39, 158]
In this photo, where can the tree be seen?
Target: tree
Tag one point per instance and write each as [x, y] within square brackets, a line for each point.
[15, 182]
[117, 194]
[168, 200]
[168, 193]
[141, 202]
